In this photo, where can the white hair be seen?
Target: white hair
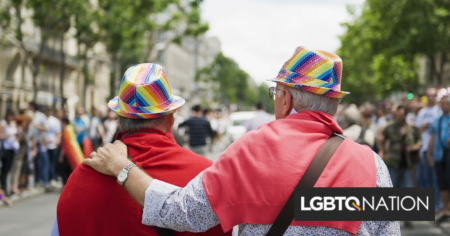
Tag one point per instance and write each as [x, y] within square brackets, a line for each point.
[306, 101]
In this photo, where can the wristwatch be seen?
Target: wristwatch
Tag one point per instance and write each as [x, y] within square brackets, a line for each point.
[123, 174]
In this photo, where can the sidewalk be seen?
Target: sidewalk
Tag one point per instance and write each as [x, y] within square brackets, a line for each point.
[445, 227]
[33, 192]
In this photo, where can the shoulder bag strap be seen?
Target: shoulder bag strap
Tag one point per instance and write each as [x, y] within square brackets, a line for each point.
[308, 180]
[161, 231]
[362, 133]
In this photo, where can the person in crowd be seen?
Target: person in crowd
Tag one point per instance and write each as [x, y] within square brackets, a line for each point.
[198, 130]
[95, 128]
[19, 157]
[111, 128]
[414, 106]
[426, 176]
[80, 125]
[261, 117]
[384, 115]
[10, 146]
[177, 133]
[208, 114]
[146, 126]
[438, 156]
[28, 146]
[219, 126]
[398, 140]
[5, 199]
[399, 143]
[359, 134]
[368, 122]
[38, 127]
[339, 117]
[64, 167]
[253, 178]
[368, 117]
[52, 140]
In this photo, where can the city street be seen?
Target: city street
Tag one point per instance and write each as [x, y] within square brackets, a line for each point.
[35, 216]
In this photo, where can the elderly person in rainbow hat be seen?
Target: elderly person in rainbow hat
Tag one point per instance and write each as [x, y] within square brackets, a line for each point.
[95, 204]
[254, 179]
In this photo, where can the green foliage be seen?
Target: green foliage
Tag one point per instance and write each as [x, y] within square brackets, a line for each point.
[5, 17]
[231, 82]
[195, 27]
[127, 28]
[263, 96]
[52, 16]
[381, 46]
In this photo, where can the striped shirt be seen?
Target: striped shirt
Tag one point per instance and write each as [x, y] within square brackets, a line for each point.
[199, 130]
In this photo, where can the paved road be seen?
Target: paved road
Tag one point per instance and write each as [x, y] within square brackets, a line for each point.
[33, 217]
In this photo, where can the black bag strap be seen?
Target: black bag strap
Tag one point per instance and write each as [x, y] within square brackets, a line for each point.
[164, 231]
[161, 231]
[362, 133]
[308, 180]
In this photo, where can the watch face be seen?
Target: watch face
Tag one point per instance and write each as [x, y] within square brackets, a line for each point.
[122, 176]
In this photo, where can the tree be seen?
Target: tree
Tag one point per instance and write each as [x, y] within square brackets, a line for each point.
[86, 22]
[126, 28]
[263, 96]
[381, 46]
[228, 81]
[184, 21]
[11, 21]
[53, 19]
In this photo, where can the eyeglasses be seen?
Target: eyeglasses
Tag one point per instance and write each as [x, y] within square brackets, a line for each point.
[272, 93]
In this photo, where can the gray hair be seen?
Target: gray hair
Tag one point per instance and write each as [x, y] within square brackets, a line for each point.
[130, 125]
[306, 101]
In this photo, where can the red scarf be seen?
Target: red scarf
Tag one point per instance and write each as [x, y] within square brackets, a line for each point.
[94, 204]
[254, 177]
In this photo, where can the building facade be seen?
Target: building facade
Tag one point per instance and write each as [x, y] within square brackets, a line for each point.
[181, 63]
[16, 79]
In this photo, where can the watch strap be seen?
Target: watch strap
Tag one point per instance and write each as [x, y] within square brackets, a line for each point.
[129, 166]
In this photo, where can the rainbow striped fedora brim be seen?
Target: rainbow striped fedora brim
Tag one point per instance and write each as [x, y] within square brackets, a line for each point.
[145, 93]
[314, 71]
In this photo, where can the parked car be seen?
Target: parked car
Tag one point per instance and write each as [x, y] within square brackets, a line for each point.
[236, 124]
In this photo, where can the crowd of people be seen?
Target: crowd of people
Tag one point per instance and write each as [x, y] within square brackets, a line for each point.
[31, 142]
[411, 136]
[31, 145]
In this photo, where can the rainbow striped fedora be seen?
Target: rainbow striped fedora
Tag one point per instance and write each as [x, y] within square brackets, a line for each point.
[315, 71]
[145, 93]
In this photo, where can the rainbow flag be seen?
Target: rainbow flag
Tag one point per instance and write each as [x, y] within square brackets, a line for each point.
[71, 147]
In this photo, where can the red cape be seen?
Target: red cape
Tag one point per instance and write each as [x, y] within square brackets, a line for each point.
[95, 204]
[252, 180]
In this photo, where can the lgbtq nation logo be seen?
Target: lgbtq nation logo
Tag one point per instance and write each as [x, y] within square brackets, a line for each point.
[372, 204]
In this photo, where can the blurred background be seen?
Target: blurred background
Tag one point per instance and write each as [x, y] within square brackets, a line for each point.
[67, 58]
